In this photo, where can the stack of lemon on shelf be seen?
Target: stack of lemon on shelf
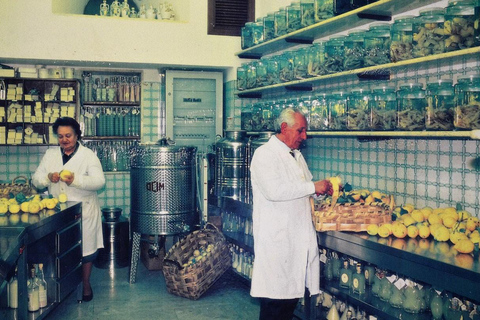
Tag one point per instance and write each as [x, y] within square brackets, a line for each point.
[443, 224]
[33, 204]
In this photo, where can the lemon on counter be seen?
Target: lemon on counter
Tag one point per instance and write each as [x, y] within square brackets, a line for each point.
[372, 229]
[24, 206]
[464, 246]
[14, 208]
[412, 231]
[424, 231]
[34, 207]
[3, 208]
[62, 198]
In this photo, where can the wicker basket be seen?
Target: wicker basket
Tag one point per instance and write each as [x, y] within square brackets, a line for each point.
[192, 281]
[350, 216]
[19, 184]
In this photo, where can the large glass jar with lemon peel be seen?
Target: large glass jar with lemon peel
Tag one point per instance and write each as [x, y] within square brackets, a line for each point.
[459, 24]
[401, 34]
[428, 33]
[411, 107]
[337, 111]
[359, 116]
[440, 105]
[383, 105]
[467, 102]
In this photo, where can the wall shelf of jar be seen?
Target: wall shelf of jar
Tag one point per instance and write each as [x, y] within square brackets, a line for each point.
[372, 70]
[380, 10]
[110, 138]
[469, 134]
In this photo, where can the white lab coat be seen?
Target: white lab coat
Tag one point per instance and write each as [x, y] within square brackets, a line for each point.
[285, 242]
[89, 178]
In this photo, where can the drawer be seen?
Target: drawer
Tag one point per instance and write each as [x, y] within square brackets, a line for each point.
[69, 261]
[69, 283]
[68, 237]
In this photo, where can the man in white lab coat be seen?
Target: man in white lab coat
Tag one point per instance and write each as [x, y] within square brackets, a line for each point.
[285, 243]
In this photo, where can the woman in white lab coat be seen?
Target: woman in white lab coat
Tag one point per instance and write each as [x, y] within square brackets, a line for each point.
[85, 181]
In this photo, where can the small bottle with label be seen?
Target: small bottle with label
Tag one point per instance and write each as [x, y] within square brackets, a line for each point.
[42, 287]
[33, 294]
[345, 275]
[358, 280]
[13, 291]
[369, 272]
[328, 271]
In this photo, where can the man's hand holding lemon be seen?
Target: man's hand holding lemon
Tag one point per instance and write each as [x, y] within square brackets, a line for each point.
[67, 176]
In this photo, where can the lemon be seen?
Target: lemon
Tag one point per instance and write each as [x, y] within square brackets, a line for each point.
[471, 224]
[376, 194]
[449, 221]
[196, 253]
[450, 211]
[384, 231]
[50, 203]
[456, 236]
[433, 218]
[412, 231]
[408, 220]
[3, 208]
[418, 215]
[372, 229]
[34, 207]
[409, 207]
[463, 215]
[441, 234]
[62, 198]
[14, 208]
[399, 231]
[424, 232]
[24, 206]
[426, 211]
[65, 174]
[464, 246]
[12, 201]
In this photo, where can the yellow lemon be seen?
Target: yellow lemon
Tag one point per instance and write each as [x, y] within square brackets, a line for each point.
[437, 210]
[34, 207]
[14, 208]
[456, 236]
[464, 246]
[3, 208]
[65, 174]
[418, 215]
[471, 224]
[449, 221]
[409, 207]
[62, 198]
[50, 203]
[426, 211]
[36, 198]
[376, 194]
[384, 231]
[399, 231]
[441, 234]
[434, 218]
[463, 215]
[408, 220]
[424, 232]
[372, 229]
[412, 231]
[451, 211]
[24, 206]
[12, 201]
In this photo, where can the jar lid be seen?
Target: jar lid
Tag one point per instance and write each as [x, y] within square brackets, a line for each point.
[440, 82]
[379, 26]
[404, 19]
[337, 38]
[462, 2]
[358, 91]
[471, 78]
[411, 85]
[432, 11]
[357, 32]
[383, 88]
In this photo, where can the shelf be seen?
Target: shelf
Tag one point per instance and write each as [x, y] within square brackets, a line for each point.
[240, 239]
[362, 71]
[110, 104]
[380, 10]
[109, 138]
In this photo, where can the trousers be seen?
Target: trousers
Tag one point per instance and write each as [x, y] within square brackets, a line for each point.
[277, 309]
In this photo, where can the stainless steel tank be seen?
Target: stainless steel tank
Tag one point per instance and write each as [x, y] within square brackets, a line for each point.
[253, 144]
[231, 172]
[162, 184]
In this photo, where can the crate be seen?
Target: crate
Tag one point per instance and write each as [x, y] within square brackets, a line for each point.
[192, 280]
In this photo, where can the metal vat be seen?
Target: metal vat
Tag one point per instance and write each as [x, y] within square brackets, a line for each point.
[162, 184]
[116, 232]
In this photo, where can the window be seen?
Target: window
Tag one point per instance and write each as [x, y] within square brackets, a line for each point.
[227, 17]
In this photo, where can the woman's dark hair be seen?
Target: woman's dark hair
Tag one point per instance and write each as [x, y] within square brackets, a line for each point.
[67, 122]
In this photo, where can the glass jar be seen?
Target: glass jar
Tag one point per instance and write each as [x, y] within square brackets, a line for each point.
[319, 113]
[354, 50]
[269, 27]
[411, 107]
[467, 102]
[304, 104]
[261, 68]
[241, 77]
[307, 13]
[257, 117]
[300, 64]
[246, 34]
[337, 111]
[272, 70]
[401, 34]
[428, 33]
[413, 298]
[316, 59]
[251, 75]
[383, 105]
[323, 10]
[293, 17]
[377, 44]
[440, 97]
[334, 54]
[246, 117]
[277, 109]
[358, 111]
[257, 32]
[280, 22]
[459, 24]
[285, 66]
[267, 113]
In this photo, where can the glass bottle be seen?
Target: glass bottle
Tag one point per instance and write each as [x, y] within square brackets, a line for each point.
[337, 111]
[369, 273]
[267, 112]
[280, 22]
[33, 294]
[401, 34]
[396, 297]
[300, 64]
[467, 102]
[246, 117]
[257, 32]
[411, 107]
[333, 312]
[257, 117]
[293, 17]
[307, 13]
[285, 66]
[269, 27]
[328, 268]
[104, 8]
[413, 299]
[358, 112]
[323, 10]
[459, 24]
[345, 276]
[261, 70]
[316, 59]
[334, 54]
[385, 289]
[272, 70]
[440, 97]
[246, 34]
[436, 305]
[319, 113]
[354, 50]
[383, 105]
[428, 33]
[125, 12]
[115, 9]
[358, 280]
[241, 78]
[13, 291]
[42, 286]
[377, 44]
[337, 265]
[251, 75]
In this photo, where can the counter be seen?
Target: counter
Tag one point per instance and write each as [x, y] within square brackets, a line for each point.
[52, 237]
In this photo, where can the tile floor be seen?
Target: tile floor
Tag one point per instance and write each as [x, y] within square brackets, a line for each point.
[115, 298]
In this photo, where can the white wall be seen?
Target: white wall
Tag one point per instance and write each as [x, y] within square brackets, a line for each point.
[33, 34]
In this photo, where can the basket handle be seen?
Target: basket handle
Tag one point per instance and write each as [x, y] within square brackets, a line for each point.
[14, 181]
[214, 227]
[172, 263]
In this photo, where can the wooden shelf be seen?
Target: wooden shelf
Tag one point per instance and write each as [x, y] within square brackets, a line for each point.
[361, 71]
[380, 10]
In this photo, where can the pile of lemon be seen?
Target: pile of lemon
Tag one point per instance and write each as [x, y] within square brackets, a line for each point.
[33, 204]
[443, 224]
[199, 255]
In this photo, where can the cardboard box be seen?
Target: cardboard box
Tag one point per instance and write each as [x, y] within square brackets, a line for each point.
[155, 263]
